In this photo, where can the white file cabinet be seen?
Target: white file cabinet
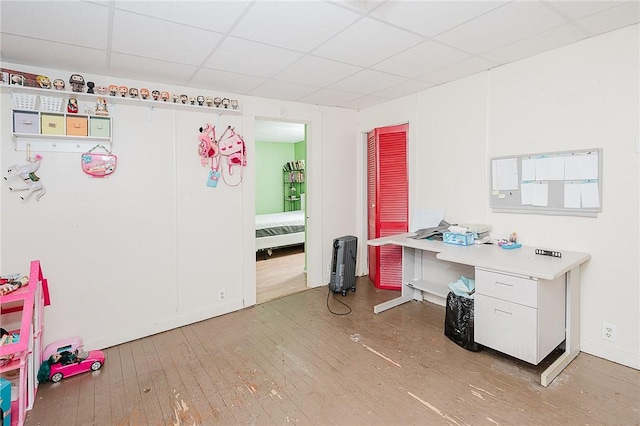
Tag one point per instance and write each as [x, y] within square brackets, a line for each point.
[520, 316]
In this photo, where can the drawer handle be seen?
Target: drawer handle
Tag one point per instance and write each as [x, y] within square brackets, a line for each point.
[52, 124]
[501, 312]
[27, 122]
[76, 125]
[504, 284]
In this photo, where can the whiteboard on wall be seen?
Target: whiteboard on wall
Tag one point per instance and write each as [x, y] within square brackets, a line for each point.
[556, 183]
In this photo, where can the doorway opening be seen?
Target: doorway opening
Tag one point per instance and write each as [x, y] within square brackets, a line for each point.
[280, 155]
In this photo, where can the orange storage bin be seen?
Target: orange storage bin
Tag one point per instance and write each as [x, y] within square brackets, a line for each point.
[77, 126]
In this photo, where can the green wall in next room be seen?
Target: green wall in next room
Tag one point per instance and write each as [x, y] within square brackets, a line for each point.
[270, 157]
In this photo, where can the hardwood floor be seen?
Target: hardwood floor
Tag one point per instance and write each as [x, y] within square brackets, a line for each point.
[290, 361]
[281, 274]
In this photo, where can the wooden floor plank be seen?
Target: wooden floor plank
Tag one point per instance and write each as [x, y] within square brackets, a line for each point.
[290, 361]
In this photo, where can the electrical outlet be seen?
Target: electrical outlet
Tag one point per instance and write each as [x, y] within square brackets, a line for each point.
[608, 331]
[221, 295]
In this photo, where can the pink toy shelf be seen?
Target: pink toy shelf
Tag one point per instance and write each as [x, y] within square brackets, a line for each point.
[25, 307]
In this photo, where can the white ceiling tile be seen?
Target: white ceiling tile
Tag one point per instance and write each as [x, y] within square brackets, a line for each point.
[580, 9]
[248, 57]
[329, 97]
[367, 81]
[281, 90]
[364, 102]
[44, 53]
[462, 69]
[210, 15]
[317, 71]
[367, 42]
[548, 40]
[507, 24]
[150, 69]
[47, 20]
[300, 26]
[420, 59]
[361, 6]
[404, 89]
[430, 18]
[224, 81]
[162, 40]
[611, 19]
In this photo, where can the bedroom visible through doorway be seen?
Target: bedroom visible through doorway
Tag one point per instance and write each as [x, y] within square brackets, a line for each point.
[280, 202]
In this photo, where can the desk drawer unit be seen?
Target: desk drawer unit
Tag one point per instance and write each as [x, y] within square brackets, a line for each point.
[519, 316]
[26, 122]
[52, 124]
[77, 126]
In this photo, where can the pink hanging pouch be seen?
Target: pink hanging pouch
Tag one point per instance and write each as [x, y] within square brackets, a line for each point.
[98, 164]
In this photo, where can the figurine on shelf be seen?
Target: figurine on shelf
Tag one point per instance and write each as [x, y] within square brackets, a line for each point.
[174, 98]
[123, 91]
[17, 79]
[72, 105]
[165, 96]
[102, 90]
[192, 100]
[101, 107]
[133, 92]
[43, 81]
[209, 100]
[225, 103]
[234, 103]
[58, 83]
[155, 94]
[184, 99]
[90, 86]
[77, 83]
[113, 90]
[144, 93]
[217, 102]
[200, 100]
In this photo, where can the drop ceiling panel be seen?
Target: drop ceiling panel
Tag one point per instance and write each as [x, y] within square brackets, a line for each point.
[141, 68]
[77, 59]
[548, 40]
[367, 81]
[364, 102]
[225, 81]
[420, 59]
[430, 18]
[281, 90]
[507, 24]
[57, 21]
[248, 57]
[610, 19]
[301, 28]
[317, 71]
[403, 89]
[367, 42]
[210, 15]
[154, 38]
[329, 97]
[462, 69]
[580, 9]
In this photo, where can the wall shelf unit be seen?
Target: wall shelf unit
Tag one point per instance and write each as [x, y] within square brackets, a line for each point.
[293, 189]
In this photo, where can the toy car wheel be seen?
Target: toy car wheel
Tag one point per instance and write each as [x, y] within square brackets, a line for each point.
[56, 377]
[96, 366]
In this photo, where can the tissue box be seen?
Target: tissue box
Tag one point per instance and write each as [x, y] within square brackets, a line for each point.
[5, 401]
[458, 239]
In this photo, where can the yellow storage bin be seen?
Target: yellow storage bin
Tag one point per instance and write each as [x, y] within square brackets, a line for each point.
[100, 127]
[76, 126]
[52, 124]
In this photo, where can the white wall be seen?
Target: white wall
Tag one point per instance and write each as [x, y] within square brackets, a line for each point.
[149, 248]
[581, 96]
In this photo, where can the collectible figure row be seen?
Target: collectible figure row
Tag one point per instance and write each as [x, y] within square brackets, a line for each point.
[78, 83]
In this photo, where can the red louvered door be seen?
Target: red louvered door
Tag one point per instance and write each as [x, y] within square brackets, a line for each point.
[387, 200]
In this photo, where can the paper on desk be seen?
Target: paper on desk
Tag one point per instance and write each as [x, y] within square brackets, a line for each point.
[426, 218]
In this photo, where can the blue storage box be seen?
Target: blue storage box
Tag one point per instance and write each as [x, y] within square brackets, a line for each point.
[458, 239]
[5, 401]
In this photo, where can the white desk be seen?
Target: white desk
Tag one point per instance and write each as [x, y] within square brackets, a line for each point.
[528, 282]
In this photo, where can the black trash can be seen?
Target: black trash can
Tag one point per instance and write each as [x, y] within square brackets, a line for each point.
[458, 322]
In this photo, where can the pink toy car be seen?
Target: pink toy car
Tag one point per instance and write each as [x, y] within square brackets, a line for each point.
[67, 358]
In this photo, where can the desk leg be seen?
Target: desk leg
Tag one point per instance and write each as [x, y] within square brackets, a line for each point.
[572, 327]
[391, 304]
